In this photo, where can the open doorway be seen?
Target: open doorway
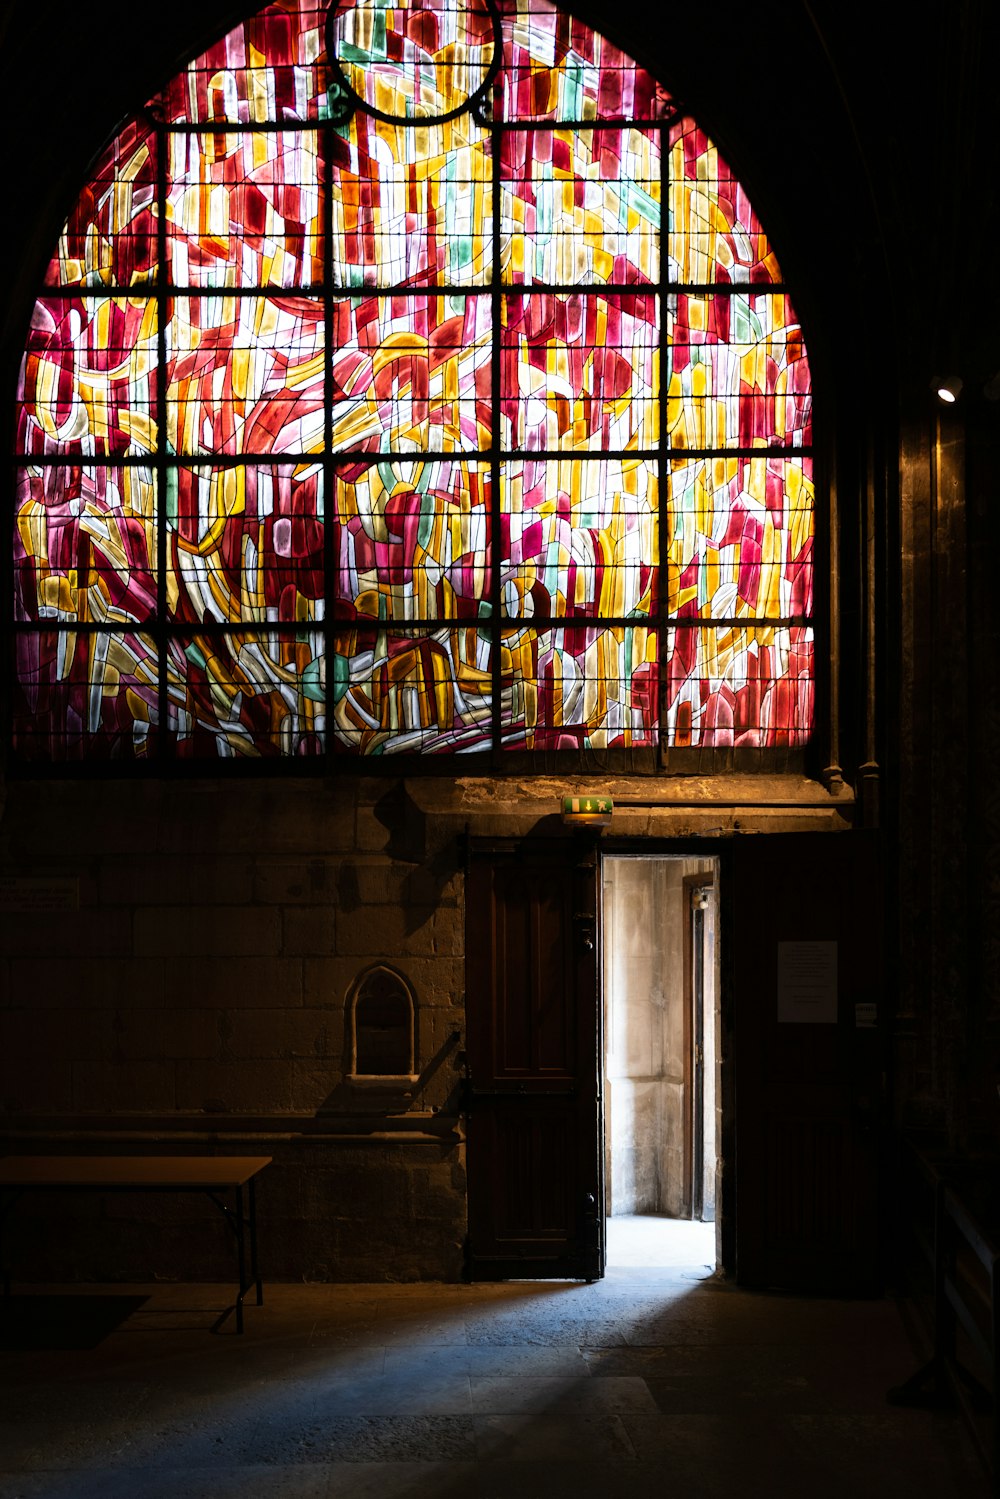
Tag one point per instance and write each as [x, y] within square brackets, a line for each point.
[661, 997]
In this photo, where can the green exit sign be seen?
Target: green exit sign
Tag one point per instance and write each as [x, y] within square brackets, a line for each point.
[587, 809]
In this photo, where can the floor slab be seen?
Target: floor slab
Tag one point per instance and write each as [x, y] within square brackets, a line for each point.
[658, 1379]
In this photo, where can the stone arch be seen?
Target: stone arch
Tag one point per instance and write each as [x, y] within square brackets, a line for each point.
[382, 1016]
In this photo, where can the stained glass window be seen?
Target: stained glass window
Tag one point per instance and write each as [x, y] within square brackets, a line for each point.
[412, 380]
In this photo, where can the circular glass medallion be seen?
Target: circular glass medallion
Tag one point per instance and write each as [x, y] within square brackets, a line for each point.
[423, 60]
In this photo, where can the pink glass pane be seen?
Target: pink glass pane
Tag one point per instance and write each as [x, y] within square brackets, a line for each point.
[556, 68]
[270, 68]
[424, 692]
[246, 694]
[738, 373]
[582, 687]
[412, 540]
[735, 687]
[414, 59]
[88, 378]
[85, 695]
[578, 537]
[740, 539]
[244, 209]
[714, 235]
[581, 206]
[412, 374]
[110, 237]
[579, 372]
[245, 375]
[246, 543]
[85, 544]
[412, 208]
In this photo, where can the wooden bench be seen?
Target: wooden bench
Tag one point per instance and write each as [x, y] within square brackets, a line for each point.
[214, 1176]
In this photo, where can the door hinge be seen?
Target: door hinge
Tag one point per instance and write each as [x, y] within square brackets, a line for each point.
[585, 923]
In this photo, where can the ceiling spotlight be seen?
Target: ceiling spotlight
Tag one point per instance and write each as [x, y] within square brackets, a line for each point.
[949, 389]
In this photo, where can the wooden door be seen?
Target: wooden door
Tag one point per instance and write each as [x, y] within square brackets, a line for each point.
[533, 1043]
[802, 950]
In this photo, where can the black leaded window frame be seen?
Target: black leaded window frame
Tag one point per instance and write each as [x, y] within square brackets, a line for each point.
[547, 751]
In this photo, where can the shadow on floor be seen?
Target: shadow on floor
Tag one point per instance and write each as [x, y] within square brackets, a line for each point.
[649, 1382]
[62, 1322]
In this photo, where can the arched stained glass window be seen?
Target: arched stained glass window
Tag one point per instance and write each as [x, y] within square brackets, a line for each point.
[412, 380]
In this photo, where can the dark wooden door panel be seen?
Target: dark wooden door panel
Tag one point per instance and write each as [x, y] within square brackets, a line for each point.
[534, 979]
[533, 1146]
[531, 1154]
[808, 1094]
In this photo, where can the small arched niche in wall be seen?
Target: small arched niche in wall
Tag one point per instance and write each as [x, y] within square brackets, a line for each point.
[381, 1025]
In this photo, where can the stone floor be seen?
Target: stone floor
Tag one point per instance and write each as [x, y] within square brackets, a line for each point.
[659, 1380]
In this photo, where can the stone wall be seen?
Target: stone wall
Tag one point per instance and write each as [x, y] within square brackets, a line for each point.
[188, 988]
[195, 998]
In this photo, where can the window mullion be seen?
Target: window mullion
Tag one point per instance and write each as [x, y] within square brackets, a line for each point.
[161, 632]
[496, 300]
[329, 465]
[663, 461]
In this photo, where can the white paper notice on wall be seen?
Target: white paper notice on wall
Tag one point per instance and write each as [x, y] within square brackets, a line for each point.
[807, 983]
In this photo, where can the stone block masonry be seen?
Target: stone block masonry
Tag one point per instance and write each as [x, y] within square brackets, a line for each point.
[199, 991]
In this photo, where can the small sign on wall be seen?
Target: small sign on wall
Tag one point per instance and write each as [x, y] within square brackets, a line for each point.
[593, 811]
[807, 983]
[28, 893]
